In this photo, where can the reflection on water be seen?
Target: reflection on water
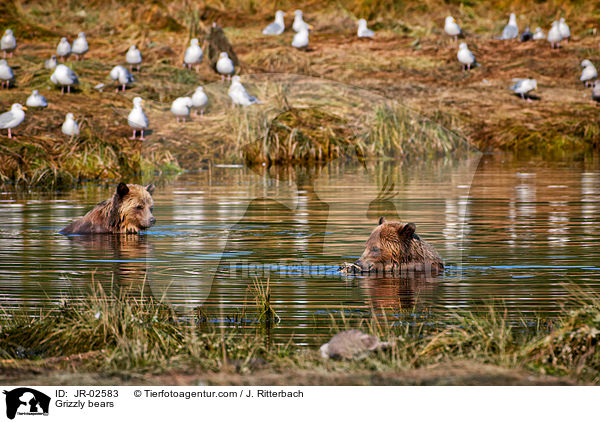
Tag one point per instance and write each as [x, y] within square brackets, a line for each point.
[513, 233]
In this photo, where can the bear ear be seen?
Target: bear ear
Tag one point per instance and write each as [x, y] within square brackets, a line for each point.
[150, 188]
[122, 190]
[407, 230]
[381, 220]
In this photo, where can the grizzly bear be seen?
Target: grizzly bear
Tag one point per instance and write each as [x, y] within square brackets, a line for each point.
[395, 247]
[128, 211]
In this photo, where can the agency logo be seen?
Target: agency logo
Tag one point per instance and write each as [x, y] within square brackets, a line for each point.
[26, 401]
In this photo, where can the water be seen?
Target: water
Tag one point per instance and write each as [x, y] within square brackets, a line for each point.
[518, 234]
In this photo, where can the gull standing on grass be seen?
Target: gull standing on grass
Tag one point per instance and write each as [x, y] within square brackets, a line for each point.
[6, 73]
[589, 72]
[451, 28]
[64, 76]
[596, 92]
[301, 39]
[50, 63]
[181, 108]
[522, 87]
[63, 49]
[36, 100]
[13, 118]
[299, 23]
[565, 31]
[121, 75]
[465, 57]
[80, 46]
[193, 55]
[199, 100]
[526, 35]
[225, 66]
[133, 58]
[70, 126]
[277, 27]
[363, 31]
[554, 37]
[137, 119]
[539, 34]
[239, 95]
[511, 30]
[8, 43]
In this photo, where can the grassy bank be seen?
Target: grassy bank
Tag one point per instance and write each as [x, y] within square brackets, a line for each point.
[103, 336]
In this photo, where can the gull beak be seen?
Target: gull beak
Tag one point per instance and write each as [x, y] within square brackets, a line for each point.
[23, 108]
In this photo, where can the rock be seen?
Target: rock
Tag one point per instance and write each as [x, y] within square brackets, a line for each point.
[351, 344]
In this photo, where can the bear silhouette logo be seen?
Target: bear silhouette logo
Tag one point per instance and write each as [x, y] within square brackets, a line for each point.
[26, 401]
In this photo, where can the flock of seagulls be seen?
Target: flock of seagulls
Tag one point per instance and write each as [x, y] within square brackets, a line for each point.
[559, 32]
[181, 108]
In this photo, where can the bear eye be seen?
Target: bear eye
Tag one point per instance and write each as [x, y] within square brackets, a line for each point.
[140, 207]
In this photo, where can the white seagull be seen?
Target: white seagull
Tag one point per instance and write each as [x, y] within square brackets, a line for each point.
[133, 58]
[13, 118]
[511, 30]
[589, 72]
[299, 23]
[554, 37]
[6, 73]
[225, 66]
[36, 100]
[63, 49]
[137, 119]
[193, 55]
[565, 32]
[8, 43]
[122, 76]
[363, 31]
[50, 63]
[181, 108]
[277, 27]
[239, 95]
[199, 100]
[539, 34]
[301, 39]
[80, 46]
[70, 126]
[451, 28]
[64, 76]
[465, 57]
[523, 87]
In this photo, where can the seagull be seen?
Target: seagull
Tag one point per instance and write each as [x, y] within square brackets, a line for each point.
[589, 72]
[511, 30]
[277, 27]
[122, 76]
[554, 37]
[225, 66]
[526, 35]
[70, 126]
[137, 119]
[181, 107]
[596, 92]
[64, 76]
[193, 54]
[239, 95]
[199, 100]
[539, 34]
[465, 57]
[363, 31]
[36, 100]
[565, 32]
[451, 28]
[13, 118]
[50, 63]
[299, 23]
[80, 46]
[351, 344]
[6, 73]
[301, 39]
[523, 86]
[8, 43]
[63, 49]
[133, 57]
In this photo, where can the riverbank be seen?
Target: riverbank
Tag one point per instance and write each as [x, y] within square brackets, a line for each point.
[128, 340]
[410, 68]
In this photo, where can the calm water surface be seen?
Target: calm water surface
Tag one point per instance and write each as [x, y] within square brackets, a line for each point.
[520, 234]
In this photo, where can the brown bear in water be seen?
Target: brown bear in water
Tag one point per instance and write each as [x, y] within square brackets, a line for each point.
[395, 247]
[128, 211]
